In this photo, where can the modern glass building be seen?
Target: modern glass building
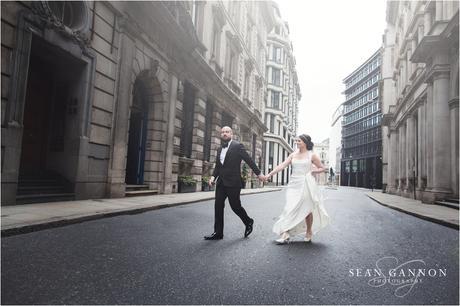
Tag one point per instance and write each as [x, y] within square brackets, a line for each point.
[361, 163]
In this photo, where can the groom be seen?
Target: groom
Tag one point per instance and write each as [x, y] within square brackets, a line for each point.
[229, 182]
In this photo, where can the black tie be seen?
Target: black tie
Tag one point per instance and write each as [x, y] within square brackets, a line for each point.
[225, 144]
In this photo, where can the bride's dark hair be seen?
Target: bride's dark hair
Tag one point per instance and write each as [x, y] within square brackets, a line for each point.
[307, 140]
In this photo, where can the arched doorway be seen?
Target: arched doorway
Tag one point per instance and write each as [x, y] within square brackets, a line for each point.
[137, 136]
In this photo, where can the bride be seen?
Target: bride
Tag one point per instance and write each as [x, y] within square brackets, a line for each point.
[303, 198]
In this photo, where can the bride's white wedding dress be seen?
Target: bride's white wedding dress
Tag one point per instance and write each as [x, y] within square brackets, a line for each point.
[302, 198]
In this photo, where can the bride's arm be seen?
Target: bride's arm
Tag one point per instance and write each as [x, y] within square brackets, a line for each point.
[317, 162]
[281, 166]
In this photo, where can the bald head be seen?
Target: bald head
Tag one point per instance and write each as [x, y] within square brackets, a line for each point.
[226, 133]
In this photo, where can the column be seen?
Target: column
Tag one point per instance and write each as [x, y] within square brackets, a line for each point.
[424, 145]
[385, 158]
[198, 136]
[169, 141]
[393, 161]
[279, 158]
[398, 177]
[402, 158]
[454, 128]
[429, 136]
[117, 170]
[410, 152]
[441, 132]
[420, 147]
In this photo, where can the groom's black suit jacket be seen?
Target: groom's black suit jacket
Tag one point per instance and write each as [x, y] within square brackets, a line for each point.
[229, 174]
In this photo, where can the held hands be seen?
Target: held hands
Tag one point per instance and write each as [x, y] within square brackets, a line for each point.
[263, 178]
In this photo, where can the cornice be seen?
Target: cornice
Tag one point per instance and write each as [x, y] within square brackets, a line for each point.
[438, 71]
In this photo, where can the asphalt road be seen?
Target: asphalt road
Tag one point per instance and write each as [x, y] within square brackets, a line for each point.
[160, 257]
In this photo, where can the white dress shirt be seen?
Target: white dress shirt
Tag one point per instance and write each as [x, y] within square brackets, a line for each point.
[224, 152]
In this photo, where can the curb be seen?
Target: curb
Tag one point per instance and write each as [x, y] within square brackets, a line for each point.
[23, 229]
[434, 220]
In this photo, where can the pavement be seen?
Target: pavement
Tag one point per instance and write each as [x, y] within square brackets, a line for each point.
[18, 219]
[435, 213]
[159, 257]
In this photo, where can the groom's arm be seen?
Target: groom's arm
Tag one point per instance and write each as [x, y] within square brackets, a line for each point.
[245, 156]
[216, 171]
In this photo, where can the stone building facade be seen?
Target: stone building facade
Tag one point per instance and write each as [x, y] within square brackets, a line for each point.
[335, 143]
[322, 150]
[361, 164]
[420, 86]
[100, 96]
[283, 96]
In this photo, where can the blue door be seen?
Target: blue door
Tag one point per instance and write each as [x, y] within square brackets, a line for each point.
[137, 139]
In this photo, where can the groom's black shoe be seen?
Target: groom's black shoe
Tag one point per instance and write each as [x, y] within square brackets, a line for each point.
[214, 236]
[248, 229]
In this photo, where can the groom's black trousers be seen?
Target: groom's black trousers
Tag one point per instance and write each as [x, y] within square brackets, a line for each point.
[233, 194]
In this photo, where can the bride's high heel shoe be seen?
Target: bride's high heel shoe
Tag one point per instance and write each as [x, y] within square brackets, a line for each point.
[308, 238]
[284, 239]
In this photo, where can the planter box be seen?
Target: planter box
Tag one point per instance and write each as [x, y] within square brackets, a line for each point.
[182, 188]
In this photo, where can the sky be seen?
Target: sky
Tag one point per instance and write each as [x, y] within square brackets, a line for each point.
[330, 40]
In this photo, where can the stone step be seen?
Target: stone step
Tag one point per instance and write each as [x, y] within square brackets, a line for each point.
[136, 187]
[447, 204]
[452, 200]
[136, 193]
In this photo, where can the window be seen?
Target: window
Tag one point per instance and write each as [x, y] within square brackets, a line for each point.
[216, 43]
[270, 155]
[275, 99]
[231, 67]
[355, 165]
[248, 36]
[276, 54]
[247, 77]
[187, 121]
[272, 123]
[276, 76]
